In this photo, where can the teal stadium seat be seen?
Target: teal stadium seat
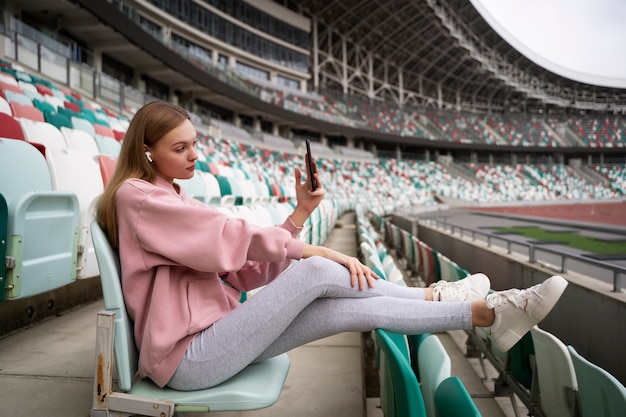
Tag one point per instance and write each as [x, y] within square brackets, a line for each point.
[257, 386]
[601, 394]
[400, 394]
[453, 400]
[43, 223]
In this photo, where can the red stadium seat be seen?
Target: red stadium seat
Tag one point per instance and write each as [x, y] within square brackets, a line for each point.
[26, 112]
[10, 128]
[107, 167]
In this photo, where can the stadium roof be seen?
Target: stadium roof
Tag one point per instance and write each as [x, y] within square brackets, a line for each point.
[436, 53]
[447, 53]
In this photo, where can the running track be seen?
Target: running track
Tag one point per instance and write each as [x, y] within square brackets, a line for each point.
[605, 213]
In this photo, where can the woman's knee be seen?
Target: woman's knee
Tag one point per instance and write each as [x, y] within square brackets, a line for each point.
[320, 267]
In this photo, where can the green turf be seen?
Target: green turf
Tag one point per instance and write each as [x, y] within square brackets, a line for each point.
[573, 240]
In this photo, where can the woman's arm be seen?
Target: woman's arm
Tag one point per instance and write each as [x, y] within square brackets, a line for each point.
[359, 273]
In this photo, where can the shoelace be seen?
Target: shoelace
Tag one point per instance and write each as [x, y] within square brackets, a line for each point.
[444, 286]
[517, 297]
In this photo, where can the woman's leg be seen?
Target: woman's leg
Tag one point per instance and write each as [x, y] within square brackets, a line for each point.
[312, 299]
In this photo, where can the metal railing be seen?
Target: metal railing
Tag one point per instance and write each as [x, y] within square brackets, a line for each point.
[533, 250]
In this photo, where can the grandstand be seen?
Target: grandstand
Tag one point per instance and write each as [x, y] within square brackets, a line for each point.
[430, 132]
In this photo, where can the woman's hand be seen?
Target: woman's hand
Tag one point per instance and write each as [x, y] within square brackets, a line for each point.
[359, 274]
[307, 200]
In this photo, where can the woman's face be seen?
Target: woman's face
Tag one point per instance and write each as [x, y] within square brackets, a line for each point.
[174, 156]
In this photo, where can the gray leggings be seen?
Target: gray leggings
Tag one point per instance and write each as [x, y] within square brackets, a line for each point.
[311, 300]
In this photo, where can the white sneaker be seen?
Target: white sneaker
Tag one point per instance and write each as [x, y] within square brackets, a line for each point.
[517, 311]
[472, 288]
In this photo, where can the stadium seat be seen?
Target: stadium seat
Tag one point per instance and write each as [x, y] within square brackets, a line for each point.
[5, 107]
[107, 145]
[400, 394]
[195, 187]
[4, 225]
[558, 389]
[83, 124]
[26, 111]
[80, 140]
[77, 172]
[107, 167]
[10, 127]
[601, 394]
[42, 132]
[257, 386]
[43, 224]
[453, 400]
[434, 366]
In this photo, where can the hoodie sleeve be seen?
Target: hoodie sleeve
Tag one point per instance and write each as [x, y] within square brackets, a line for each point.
[173, 231]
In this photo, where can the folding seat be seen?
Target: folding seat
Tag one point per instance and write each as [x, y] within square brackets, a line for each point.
[44, 106]
[400, 393]
[4, 224]
[72, 106]
[14, 87]
[453, 400]
[58, 120]
[10, 127]
[5, 107]
[558, 388]
[26, 111]
[9, 79]
[103, 130]
[434, 366]
[42, 247]
[256, 386]
[77, 172]
[43, 89]
[12, 96]
[119, 135]
[66, 112]
[107, 167]
[43, 133]
[194, 187]
[80, 141]
[84, 125]
[107, 145]
[54, 101]
[601, 394]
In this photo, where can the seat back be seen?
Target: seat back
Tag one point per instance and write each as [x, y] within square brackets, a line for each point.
[108, 145]
[42, 132]
[400, 394]
[81, 141]
[76, 172]
[126, 357]
[4, 224]
[107, 167]
[453, 400]
[42, 226]
[10, 128]
[601, 394]
[555, 374]
[434, 366]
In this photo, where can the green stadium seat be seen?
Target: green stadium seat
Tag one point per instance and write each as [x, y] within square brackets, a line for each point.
[601, 394]
[453, 400]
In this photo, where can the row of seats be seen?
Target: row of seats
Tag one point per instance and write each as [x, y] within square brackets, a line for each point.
[552, 379]
[414, 370]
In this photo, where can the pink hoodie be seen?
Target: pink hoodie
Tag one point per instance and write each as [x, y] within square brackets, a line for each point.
[174, 253]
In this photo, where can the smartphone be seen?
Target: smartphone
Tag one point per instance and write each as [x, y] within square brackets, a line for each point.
[310, 164]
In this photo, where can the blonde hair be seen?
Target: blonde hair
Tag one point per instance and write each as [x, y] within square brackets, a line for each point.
[148, 126]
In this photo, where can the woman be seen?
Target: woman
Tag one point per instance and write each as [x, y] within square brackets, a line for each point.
[184, 265]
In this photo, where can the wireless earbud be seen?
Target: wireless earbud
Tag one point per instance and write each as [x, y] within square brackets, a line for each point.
[149, 156]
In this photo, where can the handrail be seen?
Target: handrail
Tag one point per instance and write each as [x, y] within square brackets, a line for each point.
[533, 248]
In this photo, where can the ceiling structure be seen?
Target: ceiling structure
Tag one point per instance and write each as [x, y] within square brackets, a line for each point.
[438, 53]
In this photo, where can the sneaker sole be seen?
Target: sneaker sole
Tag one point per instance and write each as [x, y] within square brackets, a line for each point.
[513, 334]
